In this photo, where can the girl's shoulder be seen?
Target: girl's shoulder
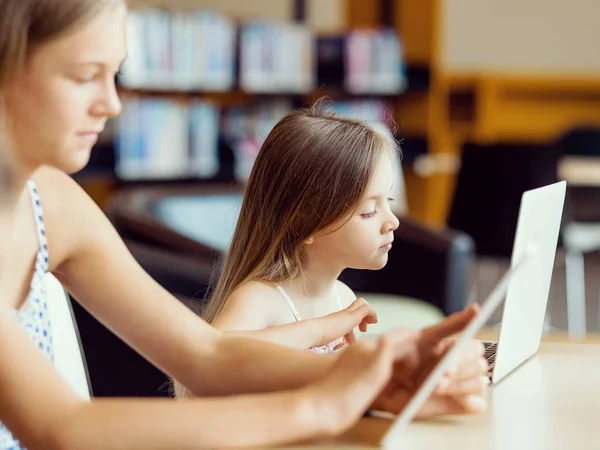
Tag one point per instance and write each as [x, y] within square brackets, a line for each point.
[258, 298]
[53, 185]
[258, 293]
[71, 217]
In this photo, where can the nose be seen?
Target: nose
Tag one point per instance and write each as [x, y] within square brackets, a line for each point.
[109, 104]
[391, 223]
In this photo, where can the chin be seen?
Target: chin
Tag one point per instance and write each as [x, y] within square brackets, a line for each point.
[374, 264]
[380, 263]
[75, 162]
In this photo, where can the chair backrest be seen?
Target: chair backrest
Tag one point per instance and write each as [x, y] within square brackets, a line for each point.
[487, 197]
[579, 165]
[580, 141]
[69, 358]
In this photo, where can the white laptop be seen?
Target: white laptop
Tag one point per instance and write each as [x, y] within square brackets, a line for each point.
[526, 286]
[524, 312]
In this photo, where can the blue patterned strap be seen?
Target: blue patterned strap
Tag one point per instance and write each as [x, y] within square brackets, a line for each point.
[38, 215]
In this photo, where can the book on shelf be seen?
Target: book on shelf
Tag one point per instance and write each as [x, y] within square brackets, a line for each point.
[374, 62]
[173, 50]
[166, 139]
[160, 138]
[276, 57]
[245, 128]
[363, 62]
[198, 51]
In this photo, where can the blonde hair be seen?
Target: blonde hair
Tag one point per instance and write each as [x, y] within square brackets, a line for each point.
[26, 25]
[312, 171]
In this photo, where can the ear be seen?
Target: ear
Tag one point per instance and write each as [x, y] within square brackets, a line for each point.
[309, 241]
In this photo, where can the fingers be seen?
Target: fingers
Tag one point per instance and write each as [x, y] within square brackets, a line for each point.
[357, 304]
[476, 385]
[402, 342]
[451, 325]
[471, 361]
[471, 404]
[469, 369]
[362, 326]
[470, 366]
[369, 319]
[350, 338]
[364, 311]
[442, 405]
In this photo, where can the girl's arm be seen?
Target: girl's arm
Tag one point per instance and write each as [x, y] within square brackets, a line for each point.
[347, 297]
[90, 259]
[242, 317]
[43, 413]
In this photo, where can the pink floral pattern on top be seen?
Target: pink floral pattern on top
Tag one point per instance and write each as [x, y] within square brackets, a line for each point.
[329, 348]
[323, 349]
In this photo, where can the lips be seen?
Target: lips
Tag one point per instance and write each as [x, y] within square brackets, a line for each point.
[386, 246]
[91, 135]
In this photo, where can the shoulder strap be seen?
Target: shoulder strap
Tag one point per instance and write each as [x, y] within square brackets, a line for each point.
[289, 302]
[38, 216]
[337, 296]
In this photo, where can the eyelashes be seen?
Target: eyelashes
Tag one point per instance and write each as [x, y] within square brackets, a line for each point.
[374, 212]
[369, 215]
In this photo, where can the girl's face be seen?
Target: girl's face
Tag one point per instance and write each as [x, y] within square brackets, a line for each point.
[60, 101]
[363, 240]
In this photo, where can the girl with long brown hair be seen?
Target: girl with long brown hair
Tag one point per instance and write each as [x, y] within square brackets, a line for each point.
[317, 202]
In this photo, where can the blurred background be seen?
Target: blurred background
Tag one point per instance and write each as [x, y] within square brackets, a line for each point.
[490, 99]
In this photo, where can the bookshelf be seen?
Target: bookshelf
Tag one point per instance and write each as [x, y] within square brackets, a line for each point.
[185, 103]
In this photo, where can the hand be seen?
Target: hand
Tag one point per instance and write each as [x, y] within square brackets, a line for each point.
[387, 372]
[359, 375]
[361, 312]
[461, 390]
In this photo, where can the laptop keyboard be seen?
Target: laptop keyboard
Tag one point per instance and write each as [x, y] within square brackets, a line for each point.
[490, 352]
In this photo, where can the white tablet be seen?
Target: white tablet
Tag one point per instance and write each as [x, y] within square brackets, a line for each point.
[494, 300]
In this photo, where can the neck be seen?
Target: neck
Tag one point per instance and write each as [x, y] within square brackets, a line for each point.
[22, 174]
[318, 277]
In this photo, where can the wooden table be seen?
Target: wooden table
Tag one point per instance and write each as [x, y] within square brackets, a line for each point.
[550, 402]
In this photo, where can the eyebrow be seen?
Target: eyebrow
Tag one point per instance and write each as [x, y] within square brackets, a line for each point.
[376, 196]
[99, 63]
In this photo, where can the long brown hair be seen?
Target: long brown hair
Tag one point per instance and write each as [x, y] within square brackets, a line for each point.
[27, 24]
[312, 171]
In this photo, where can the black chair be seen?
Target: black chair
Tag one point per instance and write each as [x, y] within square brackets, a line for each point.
[429, 265]
[487, 196]
[116, 370]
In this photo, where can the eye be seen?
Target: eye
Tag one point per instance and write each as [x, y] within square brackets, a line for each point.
[369, 215]
[87, 78]
[390, 199]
